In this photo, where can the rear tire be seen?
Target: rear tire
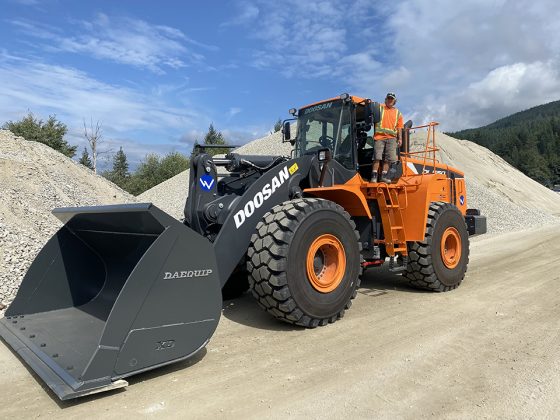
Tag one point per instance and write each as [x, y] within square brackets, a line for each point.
[434, 265]
[304, 262]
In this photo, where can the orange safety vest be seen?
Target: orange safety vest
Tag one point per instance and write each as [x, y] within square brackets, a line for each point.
[391, 121]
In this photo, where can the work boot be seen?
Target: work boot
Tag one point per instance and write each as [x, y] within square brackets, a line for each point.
[384, 178]
[374, 178]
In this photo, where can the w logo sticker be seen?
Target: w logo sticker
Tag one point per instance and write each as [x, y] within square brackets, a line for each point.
[206, 182]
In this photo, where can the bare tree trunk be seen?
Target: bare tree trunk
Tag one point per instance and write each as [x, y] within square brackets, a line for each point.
[94, 137]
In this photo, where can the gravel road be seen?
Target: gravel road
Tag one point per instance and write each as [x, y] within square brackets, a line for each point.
[489, 349]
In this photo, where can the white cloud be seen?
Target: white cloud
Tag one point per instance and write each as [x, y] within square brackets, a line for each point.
[472, 62]
[503, 91]
[73, 95]
[123, 40]
[233, 111]
[192, 136]
[247, 12]
[303, 39]
[241, 135]
[503, 85]
[464, 63]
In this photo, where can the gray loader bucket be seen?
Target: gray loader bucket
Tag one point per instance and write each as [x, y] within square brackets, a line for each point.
[116, 291]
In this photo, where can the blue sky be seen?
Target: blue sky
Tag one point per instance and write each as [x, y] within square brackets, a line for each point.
[157, 73]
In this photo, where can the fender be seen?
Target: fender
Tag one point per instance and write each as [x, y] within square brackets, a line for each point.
[348, 195]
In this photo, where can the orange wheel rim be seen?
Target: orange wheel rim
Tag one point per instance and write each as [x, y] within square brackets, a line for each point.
[326, 263]
[451, 247]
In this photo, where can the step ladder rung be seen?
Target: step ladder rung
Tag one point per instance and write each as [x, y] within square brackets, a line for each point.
[395, 239]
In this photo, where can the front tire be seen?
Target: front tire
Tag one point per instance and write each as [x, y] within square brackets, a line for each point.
[304, 262]
[440, 261]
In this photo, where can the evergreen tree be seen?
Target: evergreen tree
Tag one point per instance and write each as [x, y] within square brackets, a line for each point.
[215, 137]
[529, 140]
[120, 165]
[119, 174]
[51, 132]
[85, 159]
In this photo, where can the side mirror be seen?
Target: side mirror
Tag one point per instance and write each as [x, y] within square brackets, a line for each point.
[287, 134]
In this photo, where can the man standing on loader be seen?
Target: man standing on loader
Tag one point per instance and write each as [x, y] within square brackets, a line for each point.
[386, 138]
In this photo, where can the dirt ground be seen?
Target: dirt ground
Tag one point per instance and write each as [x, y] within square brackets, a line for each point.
[488, 349]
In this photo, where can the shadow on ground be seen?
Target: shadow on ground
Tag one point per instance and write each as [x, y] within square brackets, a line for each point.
[245, 310]
[375, 282]
[133, 380]
[381, 279]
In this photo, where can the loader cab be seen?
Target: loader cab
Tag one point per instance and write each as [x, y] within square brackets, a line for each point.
[343, 125]
[327, 125]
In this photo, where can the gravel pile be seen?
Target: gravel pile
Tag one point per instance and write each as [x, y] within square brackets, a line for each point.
[509, 199]
[34, 179]
[170, 195]
[503, 214]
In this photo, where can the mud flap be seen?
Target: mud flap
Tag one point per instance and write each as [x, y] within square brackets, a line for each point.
[116, 291]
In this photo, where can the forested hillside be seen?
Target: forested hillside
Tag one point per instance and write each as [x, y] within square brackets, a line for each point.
[529, 140]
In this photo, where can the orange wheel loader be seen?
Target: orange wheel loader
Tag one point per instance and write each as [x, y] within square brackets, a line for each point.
[122, 289]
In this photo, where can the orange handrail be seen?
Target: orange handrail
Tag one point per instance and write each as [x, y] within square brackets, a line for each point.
[430, 146]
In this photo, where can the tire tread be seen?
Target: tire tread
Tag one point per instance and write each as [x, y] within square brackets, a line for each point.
[420, 271]
[267, 260]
